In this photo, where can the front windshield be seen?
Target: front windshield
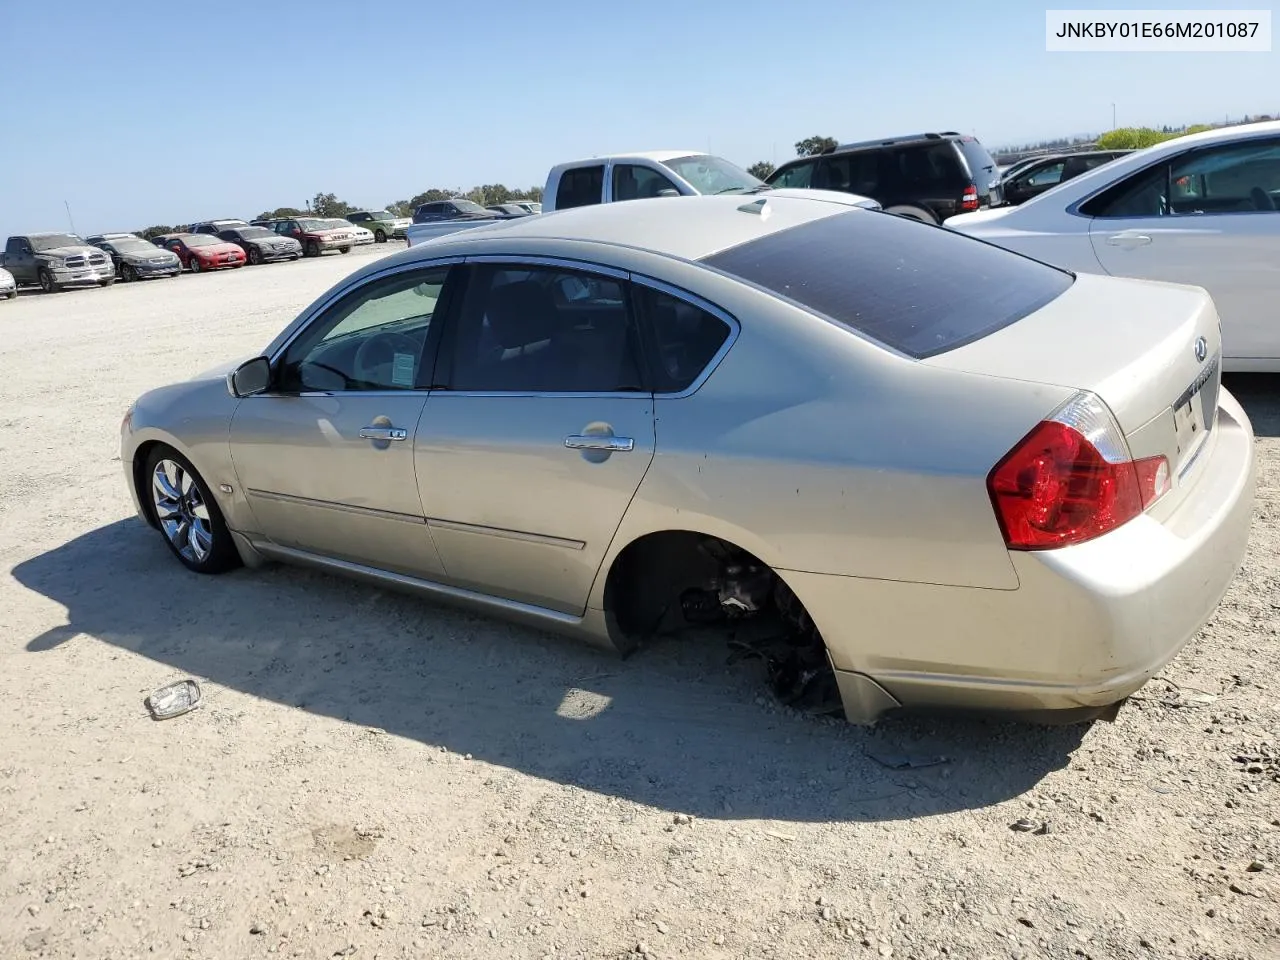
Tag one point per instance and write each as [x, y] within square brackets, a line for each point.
[313, 225]
[200, 240]
[255, 233]
[470, 206]
[709, 174]
[381, 215]
[54, 240]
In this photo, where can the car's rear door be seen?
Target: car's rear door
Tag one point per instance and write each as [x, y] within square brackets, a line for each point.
[1209, 217]
[538, 433]
[326, 457]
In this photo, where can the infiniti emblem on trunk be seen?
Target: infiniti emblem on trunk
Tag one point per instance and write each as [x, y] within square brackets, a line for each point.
[1201, 348]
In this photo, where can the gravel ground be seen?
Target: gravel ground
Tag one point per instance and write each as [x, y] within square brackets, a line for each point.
[373, 776]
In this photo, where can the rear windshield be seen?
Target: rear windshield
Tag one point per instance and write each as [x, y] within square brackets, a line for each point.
[981, 164]
[919, 289]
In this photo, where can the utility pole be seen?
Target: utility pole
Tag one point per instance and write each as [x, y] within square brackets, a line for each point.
[1113, 116]
[69, 220]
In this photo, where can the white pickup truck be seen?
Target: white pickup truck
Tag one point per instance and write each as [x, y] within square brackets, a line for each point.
[636, 176]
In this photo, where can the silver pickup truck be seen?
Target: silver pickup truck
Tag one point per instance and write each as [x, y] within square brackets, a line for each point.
[55, 261]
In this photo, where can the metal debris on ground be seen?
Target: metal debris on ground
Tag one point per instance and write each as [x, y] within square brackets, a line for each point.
[1023, 825]
[174, 700]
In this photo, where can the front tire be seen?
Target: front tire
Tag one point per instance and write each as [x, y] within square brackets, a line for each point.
[46, 281]
[107, 282]
[255, 256]
[345, 249]
[313, 248]
[188, 516]
[128, 274]
[193, 265]
[379, 236]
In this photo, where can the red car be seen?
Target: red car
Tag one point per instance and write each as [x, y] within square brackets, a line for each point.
[316, 235]
[200, 251]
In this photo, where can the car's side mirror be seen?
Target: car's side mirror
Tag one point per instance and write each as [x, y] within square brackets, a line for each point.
[668, 192]
[250, 378]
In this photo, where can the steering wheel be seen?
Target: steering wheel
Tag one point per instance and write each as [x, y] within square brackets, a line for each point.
[378, 352]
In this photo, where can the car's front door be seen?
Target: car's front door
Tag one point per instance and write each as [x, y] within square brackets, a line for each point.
[1210, 217]
[531, 449]
[325, 457]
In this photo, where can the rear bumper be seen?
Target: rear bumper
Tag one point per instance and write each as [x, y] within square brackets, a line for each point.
[1086, 627]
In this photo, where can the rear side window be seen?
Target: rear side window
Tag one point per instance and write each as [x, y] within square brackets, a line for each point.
[580, 187]
[686, 338]
[921, 290]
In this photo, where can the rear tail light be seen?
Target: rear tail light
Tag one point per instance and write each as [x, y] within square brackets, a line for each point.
[969, 200]
[1072, 479]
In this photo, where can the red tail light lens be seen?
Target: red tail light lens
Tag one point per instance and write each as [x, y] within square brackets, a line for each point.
[969, 201]
[1071, 479]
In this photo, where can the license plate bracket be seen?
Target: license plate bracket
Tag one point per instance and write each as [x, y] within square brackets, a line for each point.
[1193, 413]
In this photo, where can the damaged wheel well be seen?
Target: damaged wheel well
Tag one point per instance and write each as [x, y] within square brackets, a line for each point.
[676, 580]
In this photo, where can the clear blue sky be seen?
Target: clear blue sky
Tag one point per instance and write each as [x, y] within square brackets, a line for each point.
[167, 113]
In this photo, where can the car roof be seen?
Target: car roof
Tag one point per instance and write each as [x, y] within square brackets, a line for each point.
[896, 141]
[687, 228]
[659, 156]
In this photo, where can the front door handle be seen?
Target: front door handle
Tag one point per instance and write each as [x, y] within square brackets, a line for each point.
[384, 433]
[1128, 240]
[600, 442]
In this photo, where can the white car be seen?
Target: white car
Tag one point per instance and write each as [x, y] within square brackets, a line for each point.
[8, 286]
[1202, 210]
[362, 235]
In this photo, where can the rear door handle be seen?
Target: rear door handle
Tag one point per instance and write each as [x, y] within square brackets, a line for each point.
[590, 442]
[1128, 240]
[384, 433]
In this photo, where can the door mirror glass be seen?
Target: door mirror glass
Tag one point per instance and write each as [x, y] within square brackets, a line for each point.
[250, 378]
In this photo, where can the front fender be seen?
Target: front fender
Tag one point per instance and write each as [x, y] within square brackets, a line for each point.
[195, 420]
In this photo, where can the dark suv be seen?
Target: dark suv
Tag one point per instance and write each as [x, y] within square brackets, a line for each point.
[928, 177]
[459, 209]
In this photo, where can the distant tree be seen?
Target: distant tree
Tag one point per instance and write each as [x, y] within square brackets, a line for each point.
[761, 169]
[279, 212]
[400, 208]
[430, 196]
[812, 146]
[150, 233]
[328, 205]
[1132, 138]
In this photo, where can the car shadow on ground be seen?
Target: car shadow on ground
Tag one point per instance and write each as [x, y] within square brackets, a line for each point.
[674, 726]
[1259, 394]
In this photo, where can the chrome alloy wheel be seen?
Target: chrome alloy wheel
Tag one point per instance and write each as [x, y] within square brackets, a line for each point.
[181, 510]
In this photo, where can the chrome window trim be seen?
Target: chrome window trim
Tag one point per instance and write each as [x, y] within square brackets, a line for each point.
[304, 320]
[564, 263]
[735, 328]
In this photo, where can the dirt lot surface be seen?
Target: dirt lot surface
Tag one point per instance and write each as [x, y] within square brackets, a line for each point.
[373, 776]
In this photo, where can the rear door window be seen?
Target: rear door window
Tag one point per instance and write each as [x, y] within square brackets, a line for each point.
[580, 187]
[916, 289]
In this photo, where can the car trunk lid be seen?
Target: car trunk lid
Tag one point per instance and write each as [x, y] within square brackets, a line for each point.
[1151, 352]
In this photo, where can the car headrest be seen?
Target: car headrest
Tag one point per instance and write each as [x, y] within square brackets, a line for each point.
[521, 313]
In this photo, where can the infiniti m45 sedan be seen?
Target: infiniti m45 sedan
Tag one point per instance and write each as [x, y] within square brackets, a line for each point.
[970, 480]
